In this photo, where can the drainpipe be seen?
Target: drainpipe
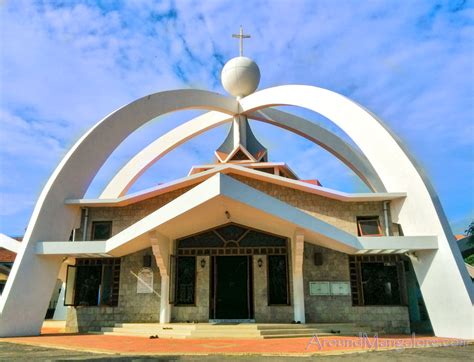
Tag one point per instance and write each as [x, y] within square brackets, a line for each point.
[86, 220]
[385, 216]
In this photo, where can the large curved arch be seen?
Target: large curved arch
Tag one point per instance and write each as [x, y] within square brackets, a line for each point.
[138, 164]
[53, 220]
[128, 174]
[441, 274]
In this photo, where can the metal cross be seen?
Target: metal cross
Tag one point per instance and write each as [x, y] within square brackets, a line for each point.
[241, 36]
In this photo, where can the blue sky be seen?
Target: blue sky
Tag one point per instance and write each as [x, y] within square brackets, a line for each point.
[65, 65]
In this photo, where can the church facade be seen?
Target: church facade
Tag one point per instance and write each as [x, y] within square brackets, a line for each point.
[242, 238]
[244, 270]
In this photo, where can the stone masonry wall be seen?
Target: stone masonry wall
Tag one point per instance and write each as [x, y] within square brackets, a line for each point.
[132, 307]
[263, 312]
[123, 217]
[200, 311]
[340, 214]
[145, 307]
[337, 309]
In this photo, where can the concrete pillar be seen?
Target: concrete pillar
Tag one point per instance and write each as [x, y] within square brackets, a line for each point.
[60, 312]
[26, 296]
[297, 249]
[165, 310]
[161, 250]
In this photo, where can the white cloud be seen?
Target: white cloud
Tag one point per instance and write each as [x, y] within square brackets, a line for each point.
[65, 67]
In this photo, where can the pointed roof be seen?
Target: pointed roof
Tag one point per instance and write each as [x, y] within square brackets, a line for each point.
[246, 143]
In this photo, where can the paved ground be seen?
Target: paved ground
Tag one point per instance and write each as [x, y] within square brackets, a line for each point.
[284, 346]
[22, 352]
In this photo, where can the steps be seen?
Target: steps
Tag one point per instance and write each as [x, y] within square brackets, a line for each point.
[231, 330]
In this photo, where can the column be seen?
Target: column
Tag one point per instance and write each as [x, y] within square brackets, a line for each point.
[161, 250]
[297, 249]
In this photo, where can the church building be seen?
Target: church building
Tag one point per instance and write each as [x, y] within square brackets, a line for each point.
[242, 239]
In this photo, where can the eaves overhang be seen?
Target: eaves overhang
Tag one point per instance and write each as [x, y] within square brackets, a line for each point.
[222, 191]
[232, 169]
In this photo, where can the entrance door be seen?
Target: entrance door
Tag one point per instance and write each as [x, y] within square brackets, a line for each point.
[232, 287]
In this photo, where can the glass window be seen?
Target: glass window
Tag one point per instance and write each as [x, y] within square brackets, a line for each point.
[93, 282]
[277, 280]
[369, 226]
[88, 280]
[185, 279]
[380, 284]
[255, 238]
[231, 232]
[101, 230]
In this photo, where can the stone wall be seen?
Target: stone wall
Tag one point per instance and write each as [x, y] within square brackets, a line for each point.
[199, 312]
[145, 307]
[132, 307]
[263, 312]
[338, 309]
[341, 214]
[123, 217]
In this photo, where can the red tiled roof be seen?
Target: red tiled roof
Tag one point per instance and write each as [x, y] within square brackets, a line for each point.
[313, 182]
[7, 256]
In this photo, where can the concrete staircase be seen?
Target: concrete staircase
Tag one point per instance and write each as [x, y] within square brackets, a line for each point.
[230, 331]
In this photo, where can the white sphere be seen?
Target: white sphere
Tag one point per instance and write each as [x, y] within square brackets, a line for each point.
[240, 76]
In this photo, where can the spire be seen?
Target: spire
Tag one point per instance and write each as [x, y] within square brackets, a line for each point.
[240, 77]
[241, 144]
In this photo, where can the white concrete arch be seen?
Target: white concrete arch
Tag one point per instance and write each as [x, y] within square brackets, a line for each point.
[441, 274]
[124, 179]
[53, 220]
[128, 174]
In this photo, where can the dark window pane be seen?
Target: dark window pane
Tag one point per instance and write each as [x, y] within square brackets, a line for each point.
[255, 238]
[231, 232]
[107, 285]
[101, 230]
[380, 284]
[205, 240]
[185, 279]
[277, 280]
[88, 279]
[369, 227]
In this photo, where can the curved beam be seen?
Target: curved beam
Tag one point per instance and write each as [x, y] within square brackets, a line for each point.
[124, 179]
[441, 274]
[143, 160]
[335, 145]
[53, 220]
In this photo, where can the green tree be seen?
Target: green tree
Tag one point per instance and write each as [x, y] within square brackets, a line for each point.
[470, 229]
[470, 260]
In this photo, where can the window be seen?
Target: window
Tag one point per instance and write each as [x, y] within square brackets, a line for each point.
[93, 282]
[380, 284]
[101, 230]
[185, 280]
[232, 239]
[277, 280]
[369, 226]
[377, 280]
